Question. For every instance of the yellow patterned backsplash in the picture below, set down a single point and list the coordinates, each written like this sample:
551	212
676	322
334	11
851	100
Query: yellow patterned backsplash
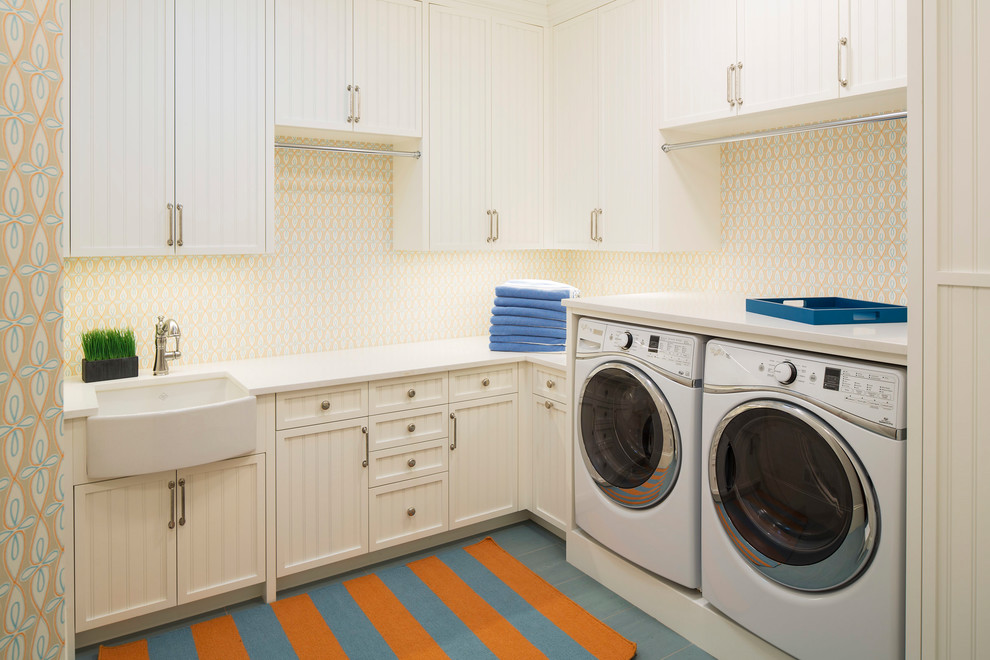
811	214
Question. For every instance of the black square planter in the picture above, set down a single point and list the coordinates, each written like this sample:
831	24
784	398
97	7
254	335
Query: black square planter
109	369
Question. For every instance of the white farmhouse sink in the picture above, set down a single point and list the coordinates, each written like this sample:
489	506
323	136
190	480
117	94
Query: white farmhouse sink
151	426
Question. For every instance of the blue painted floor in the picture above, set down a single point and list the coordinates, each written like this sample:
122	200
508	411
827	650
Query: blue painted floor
543	553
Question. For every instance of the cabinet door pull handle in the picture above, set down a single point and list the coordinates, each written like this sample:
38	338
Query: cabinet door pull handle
182	516
411	462
171	225
738	83
550	384
364	430
411	393
411	428
729	70
592	224
325	405
357	92
171	493
495	212
350	107
178	208
490	232
453	435
548	405
411	511
843	80
598	228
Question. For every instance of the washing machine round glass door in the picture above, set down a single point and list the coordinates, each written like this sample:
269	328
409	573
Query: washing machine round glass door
629	439
792	496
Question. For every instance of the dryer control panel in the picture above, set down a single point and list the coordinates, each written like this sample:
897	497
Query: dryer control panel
675	353
869	391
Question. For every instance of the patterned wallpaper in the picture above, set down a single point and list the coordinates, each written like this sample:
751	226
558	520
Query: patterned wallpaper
32	112
816	213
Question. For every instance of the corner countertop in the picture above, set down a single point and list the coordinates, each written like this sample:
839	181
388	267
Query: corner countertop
297	372
725	316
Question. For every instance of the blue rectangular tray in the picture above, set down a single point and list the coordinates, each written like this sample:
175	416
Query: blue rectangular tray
827	311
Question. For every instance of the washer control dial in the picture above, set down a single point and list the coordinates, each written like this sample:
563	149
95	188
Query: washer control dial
785	373
628	342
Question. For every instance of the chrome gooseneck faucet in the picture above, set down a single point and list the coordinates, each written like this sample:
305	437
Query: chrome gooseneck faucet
164	329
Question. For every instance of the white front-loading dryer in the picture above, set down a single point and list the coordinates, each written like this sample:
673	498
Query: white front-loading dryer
637	458
802	513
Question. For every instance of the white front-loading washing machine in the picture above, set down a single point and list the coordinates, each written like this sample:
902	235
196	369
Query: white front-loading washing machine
802	512
637	461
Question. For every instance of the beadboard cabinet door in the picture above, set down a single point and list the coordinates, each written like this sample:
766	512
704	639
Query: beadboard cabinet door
551	462
224	134
314	58
460	128
221	540
122	124
517	144
482	463
576	131
788	53
125	548
388	67
630	143
872	45
321	495
698	46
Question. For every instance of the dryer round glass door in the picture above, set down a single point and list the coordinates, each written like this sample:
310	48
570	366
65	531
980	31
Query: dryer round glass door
794	500
629	440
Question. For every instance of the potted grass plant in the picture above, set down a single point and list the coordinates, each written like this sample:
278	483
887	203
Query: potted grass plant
109	354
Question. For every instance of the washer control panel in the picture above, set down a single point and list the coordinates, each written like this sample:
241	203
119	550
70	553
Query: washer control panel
673	352
870	391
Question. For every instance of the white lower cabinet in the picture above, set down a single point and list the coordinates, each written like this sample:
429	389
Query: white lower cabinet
551	461
408	510
321	494
483	448
150	542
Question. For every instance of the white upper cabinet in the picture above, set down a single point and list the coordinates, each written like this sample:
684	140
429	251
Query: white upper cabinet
350	65
873	45
786	53
576	141
722	58
171	127
698	47
460	119
486	139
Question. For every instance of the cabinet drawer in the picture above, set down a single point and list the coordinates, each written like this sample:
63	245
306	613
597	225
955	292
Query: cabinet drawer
319	405
406	427
400	463
488	381
551	384
408	510
405	393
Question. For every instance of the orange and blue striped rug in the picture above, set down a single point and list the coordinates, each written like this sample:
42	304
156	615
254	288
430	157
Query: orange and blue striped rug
472	602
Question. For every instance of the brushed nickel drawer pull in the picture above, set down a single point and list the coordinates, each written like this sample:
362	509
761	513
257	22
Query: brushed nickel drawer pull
325	405
453	435
411	462
411	511
182	516
411	428
548	405
171	225
364	430
485	382
550	384
178	208
411	393
171	492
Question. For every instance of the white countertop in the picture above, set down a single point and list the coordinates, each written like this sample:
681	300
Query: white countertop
725	315
297	372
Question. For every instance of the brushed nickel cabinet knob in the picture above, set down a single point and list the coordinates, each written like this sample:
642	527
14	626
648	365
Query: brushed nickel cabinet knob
485	382
411	462
411	393
411	428
411	511
550	384
325	405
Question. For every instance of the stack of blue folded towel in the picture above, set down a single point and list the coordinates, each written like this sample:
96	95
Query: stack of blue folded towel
529	317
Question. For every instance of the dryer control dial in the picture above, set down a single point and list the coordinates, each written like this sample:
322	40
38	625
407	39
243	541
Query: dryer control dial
628	341
785	373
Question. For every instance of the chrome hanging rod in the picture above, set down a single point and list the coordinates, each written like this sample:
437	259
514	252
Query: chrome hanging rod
667	148
348	150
